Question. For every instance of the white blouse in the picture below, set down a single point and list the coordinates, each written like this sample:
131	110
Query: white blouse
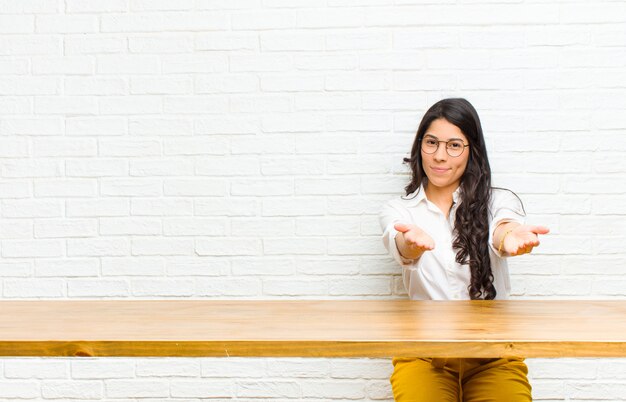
436	275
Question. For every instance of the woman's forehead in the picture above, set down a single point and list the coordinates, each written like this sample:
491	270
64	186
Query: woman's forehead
444	130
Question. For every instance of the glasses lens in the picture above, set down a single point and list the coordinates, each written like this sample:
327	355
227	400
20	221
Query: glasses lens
455	147
429	145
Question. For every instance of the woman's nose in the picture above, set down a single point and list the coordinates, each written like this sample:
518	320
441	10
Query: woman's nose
441	154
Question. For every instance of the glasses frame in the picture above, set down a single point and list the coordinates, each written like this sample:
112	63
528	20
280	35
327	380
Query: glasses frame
439	142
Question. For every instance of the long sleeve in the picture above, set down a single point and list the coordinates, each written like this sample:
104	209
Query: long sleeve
505	206
389	216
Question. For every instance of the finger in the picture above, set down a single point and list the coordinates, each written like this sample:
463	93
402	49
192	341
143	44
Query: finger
401	227
539	229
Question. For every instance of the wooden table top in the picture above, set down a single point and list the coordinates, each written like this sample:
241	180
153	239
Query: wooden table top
314	328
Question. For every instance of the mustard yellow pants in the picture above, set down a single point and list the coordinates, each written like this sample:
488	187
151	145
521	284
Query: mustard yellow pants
460	380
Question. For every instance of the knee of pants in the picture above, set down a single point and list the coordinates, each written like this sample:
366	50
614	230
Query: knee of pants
416	380
506	382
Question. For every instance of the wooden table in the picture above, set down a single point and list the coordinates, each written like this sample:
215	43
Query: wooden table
319	328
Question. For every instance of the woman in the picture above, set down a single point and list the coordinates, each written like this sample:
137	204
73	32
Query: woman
451	234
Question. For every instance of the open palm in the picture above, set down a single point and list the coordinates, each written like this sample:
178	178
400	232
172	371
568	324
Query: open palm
523	239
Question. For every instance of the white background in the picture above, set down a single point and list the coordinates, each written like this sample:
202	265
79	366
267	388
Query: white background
243	149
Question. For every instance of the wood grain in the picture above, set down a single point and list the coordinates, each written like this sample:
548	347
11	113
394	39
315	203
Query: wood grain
314	328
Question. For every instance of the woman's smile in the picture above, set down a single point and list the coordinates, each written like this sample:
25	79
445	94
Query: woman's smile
439	169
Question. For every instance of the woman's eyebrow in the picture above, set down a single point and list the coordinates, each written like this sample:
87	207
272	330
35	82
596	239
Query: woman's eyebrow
449	139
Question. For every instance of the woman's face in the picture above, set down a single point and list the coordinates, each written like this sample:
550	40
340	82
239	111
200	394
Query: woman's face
444	172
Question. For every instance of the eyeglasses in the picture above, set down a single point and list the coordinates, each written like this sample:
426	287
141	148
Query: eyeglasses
454	148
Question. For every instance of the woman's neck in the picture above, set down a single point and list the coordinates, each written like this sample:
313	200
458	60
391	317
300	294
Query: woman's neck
441	197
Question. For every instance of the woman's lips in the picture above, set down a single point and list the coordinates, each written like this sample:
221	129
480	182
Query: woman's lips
439	170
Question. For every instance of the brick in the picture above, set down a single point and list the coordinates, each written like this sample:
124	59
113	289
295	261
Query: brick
65	188
295	287
94	44
228	246
226	41
194	266
261	187
131	187
49	24
299	368
226	125
161	246
334	389
136	389
194	187
96	168
102	369
262	20
194	226
169	368
227	83
202	389
161	167
15	45
260	62
20	389
33	288
32	248
129	105
233	367
16	269
128	147
51	228
133	266
17	24
94	6
64	148
161	207
227	206
296	246
216	287
228	166
110	226
100	288
259	104
27	368
97	208
265	227
294	207
263	144
76	267
196	63
198	145
330	18
162	287
306	265
164	21
98	247
127	64
306	165
31	126
161	43
291	122
263	266
161	85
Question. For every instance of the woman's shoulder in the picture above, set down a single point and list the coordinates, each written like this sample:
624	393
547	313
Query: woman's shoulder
505	198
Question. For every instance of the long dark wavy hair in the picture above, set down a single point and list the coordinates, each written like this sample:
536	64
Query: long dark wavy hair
471	233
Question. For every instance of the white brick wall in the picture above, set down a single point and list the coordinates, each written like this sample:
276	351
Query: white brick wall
142	140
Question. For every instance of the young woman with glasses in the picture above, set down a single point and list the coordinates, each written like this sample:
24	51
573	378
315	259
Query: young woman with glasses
451	234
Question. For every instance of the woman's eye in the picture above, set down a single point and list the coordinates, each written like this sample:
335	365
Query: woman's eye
455	145
431	142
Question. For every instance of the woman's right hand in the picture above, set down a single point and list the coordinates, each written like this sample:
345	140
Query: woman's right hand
414	241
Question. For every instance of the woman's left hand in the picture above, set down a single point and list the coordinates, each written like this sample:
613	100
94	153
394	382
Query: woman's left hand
522	239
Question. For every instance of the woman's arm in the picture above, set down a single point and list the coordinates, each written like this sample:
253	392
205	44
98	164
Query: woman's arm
514	239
